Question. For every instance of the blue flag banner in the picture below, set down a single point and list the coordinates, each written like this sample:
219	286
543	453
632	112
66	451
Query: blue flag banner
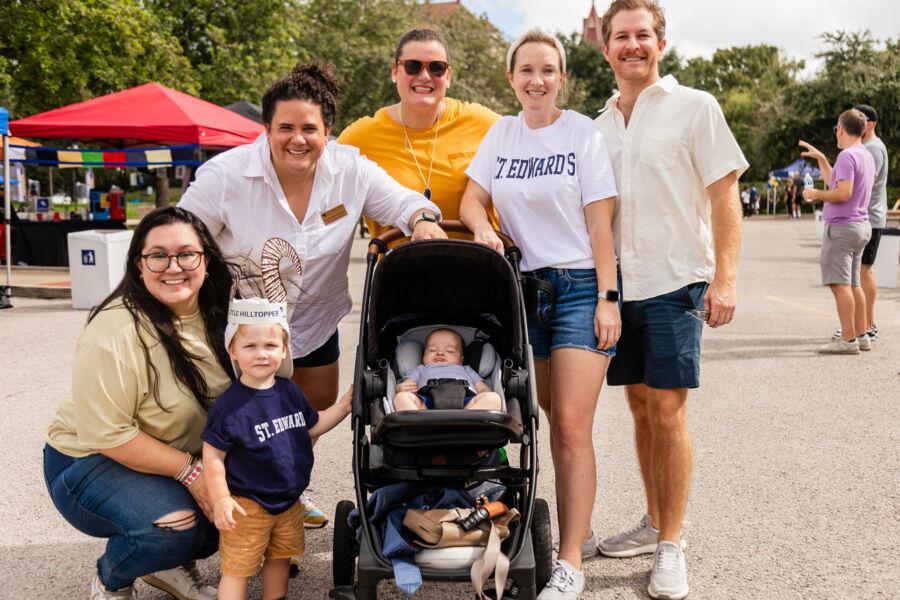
4	121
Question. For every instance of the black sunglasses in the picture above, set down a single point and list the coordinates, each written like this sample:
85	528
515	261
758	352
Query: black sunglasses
413	67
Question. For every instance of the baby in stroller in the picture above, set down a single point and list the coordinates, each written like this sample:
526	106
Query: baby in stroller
442	372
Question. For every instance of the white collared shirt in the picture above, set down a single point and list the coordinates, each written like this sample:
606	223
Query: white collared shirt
677	143
238	195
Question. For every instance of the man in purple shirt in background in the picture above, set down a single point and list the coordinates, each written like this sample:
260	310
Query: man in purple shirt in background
847	228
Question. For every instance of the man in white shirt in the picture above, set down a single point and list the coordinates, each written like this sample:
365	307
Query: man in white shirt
677	228
877	214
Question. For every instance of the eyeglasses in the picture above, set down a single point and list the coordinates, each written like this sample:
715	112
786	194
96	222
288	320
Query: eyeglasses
413	67
159	262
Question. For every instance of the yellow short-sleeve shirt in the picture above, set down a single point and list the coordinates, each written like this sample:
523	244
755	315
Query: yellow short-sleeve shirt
459	132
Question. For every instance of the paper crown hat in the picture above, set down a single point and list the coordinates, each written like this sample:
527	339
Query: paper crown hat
258	311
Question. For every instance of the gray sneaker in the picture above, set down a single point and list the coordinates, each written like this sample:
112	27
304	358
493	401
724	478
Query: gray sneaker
588	547
639	539
182	582
865	342
839	347
566	583
668	577
98	592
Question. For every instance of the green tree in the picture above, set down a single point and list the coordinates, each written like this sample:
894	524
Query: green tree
857	69
237	49
752	85
57	52
358	38
479	61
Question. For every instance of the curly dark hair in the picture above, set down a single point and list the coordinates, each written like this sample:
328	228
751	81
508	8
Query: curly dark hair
213	298
421	34
314	82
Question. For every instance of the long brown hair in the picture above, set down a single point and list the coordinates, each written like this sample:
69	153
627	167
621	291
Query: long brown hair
213	298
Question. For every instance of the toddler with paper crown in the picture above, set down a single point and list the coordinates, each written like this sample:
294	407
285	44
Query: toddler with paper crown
257	451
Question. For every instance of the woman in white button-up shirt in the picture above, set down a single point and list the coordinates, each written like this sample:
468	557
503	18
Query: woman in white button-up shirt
285	207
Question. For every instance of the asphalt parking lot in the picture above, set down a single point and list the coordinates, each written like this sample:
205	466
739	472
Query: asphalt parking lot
797	472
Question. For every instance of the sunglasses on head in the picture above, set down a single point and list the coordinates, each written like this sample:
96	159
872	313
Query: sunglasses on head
413	67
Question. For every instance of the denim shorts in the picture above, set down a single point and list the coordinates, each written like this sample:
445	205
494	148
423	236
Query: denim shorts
570	323
660	343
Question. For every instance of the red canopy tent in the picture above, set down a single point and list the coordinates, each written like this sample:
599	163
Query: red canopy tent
146	113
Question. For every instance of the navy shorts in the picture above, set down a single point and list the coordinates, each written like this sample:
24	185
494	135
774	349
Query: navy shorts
325	354
569	322
660	343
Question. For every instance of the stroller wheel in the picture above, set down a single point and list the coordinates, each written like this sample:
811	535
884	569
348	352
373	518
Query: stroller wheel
542	539
343	564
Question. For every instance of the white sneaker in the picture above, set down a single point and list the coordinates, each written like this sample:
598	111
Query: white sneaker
640	538
865	342
588	547
839	347
566	583
182	582
98	592
668	577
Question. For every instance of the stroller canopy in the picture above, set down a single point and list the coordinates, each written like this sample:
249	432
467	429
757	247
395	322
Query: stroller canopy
454	282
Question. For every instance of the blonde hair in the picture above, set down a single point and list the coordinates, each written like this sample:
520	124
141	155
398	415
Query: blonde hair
538	35
651	6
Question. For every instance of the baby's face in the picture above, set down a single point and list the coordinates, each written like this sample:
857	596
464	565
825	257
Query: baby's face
443	347
258	349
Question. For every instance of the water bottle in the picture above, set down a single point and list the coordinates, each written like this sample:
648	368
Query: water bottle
807	180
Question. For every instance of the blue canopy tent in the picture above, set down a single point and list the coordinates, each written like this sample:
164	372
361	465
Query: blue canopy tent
4	132
798	166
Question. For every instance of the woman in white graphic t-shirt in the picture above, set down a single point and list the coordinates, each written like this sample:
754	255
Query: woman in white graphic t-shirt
547	174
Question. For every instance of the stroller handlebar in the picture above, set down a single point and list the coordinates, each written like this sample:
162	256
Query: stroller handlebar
380	244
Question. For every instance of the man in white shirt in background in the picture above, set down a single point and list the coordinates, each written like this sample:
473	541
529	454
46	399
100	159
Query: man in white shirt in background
678	229
877	214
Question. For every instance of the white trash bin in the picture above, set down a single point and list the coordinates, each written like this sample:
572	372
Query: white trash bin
820	224
888	259
96	264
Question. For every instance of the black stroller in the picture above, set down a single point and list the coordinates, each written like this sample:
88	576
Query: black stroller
415	287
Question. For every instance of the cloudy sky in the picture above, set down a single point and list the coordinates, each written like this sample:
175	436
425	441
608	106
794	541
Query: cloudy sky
698	27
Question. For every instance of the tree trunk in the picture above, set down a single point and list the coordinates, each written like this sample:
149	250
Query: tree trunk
162	187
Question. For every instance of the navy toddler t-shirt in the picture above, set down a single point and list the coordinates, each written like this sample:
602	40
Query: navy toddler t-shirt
265	434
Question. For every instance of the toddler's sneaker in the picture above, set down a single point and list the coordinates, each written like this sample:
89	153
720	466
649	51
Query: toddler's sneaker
183	582
639	539
313	517
668	577
98	592
566	583
588	547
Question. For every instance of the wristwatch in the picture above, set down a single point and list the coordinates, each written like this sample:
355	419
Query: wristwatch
609	295
426	215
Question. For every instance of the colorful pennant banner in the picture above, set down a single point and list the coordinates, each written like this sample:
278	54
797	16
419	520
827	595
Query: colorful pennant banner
68	158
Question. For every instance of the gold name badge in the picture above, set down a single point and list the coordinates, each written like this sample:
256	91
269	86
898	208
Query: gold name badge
333	214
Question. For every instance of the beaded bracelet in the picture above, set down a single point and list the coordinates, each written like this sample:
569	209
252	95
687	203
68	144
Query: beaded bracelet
185	469
194	474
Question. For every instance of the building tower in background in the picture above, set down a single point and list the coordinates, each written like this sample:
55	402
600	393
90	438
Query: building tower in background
590	29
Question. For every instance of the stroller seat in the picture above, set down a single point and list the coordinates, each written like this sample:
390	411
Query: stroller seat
443	429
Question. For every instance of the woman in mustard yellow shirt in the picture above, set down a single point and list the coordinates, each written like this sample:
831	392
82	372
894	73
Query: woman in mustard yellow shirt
426	140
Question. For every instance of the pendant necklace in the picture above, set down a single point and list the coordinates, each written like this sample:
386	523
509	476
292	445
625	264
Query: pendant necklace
426	181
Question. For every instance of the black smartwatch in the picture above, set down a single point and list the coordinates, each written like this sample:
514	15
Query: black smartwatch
426	215
609	295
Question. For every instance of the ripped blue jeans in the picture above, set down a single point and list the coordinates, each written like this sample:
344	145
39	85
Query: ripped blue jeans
105	499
